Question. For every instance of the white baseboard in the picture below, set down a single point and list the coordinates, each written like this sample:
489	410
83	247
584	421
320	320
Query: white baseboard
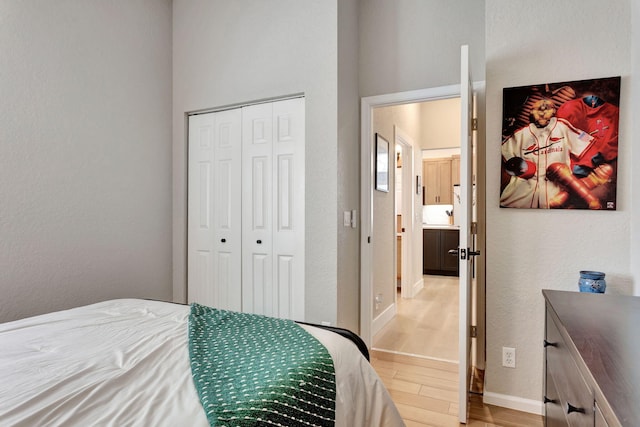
512	402
382	319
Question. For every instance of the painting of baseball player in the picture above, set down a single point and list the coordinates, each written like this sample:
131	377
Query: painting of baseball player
560	145
531	150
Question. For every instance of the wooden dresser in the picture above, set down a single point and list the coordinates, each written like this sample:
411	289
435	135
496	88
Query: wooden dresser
592	359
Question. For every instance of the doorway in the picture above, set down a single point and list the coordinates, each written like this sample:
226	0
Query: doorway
470	300
425	323
369	299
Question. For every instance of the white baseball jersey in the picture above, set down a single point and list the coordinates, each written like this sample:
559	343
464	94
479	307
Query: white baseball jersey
541	146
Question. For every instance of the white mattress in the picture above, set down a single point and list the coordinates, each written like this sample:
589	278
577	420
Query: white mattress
126	363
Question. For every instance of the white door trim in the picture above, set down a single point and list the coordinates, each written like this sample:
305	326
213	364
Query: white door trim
367	105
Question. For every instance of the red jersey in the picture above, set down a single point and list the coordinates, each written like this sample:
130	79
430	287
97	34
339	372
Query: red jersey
601	122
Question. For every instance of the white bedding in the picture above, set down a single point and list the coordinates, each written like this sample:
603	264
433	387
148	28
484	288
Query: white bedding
126	363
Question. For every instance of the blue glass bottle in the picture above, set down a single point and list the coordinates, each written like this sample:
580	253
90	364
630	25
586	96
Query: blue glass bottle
592	281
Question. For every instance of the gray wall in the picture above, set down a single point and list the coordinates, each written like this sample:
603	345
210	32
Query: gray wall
529	250
85	169
348	183
229	52
634	95
409	45
415	44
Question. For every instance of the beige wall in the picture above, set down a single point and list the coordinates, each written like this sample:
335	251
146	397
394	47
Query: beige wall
440	124
529	250
85	169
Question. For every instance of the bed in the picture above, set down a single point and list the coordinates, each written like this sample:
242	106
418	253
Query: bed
130	362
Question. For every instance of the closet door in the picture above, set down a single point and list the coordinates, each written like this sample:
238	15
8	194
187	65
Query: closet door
214	223
273	209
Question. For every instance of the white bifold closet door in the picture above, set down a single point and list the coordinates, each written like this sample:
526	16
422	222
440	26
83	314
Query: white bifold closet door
254	195
214	223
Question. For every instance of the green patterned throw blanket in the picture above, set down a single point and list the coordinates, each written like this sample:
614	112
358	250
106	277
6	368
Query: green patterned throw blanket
253	370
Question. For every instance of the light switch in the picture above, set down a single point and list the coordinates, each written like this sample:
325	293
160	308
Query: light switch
347	219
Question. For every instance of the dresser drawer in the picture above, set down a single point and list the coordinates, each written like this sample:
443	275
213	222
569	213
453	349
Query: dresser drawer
575	397
553	412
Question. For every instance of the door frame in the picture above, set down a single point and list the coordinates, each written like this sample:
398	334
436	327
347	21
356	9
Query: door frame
367	170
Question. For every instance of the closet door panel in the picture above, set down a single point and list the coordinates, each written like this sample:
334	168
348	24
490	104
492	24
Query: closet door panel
228	204
289	224
214	236
257	209
200	210
286	287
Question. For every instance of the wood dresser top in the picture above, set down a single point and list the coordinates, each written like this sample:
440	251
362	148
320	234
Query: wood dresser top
605	330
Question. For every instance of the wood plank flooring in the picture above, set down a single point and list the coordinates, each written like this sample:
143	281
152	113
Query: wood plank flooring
426	325
426	394
423	382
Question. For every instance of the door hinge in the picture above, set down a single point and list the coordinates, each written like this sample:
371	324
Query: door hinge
474	228
474	124
473	332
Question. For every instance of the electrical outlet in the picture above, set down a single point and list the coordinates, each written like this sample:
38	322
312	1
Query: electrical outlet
508	357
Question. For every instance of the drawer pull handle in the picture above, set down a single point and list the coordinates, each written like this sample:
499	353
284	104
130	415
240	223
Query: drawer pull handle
223	240
550	344
259	242
571	408
547	400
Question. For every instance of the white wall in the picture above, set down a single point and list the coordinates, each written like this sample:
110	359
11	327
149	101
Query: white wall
229	52
530	250
85	170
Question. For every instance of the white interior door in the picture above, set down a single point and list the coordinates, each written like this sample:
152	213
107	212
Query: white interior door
214	227
466	248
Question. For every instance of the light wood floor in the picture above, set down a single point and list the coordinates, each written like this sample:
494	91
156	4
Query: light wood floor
426	325
423	382
426	394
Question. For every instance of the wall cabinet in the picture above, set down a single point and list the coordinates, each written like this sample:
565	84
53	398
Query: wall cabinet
591	351
436	244
436	178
